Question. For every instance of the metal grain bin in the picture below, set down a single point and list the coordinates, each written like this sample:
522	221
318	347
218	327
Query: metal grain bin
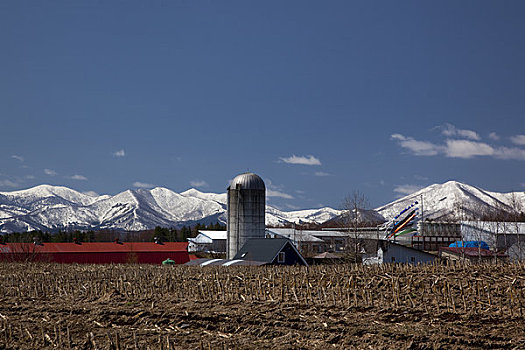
246	209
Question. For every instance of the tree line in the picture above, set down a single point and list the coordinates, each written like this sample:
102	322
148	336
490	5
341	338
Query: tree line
162	233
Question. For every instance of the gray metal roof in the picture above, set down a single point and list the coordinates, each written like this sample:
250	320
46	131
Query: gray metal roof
293	235
223	262
309	233
248	181
264	249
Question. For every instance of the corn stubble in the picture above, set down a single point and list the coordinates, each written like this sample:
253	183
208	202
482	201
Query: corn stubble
340	306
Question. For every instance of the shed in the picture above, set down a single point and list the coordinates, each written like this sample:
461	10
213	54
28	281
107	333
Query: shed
96	253
208	241
324	258
303	240
391	252
471	254
275	251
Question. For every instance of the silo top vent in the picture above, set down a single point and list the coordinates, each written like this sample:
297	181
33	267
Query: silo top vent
248	181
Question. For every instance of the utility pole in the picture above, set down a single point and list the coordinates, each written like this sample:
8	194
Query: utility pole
294	241
422	211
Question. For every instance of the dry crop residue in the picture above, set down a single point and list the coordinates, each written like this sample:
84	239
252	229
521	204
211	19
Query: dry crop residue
343	306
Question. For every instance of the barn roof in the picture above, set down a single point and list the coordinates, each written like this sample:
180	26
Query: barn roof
95	247
326	255
294	235
473	252
265	249
223	262
214	234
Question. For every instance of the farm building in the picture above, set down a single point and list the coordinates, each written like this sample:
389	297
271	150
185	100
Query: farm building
274	251
391	252
499	235
509	236
208	241
324	258
96	253
313	242
303	240
471	254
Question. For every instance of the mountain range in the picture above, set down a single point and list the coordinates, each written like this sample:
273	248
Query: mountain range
53	208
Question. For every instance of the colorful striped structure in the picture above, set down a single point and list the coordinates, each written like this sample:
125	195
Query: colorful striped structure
403	222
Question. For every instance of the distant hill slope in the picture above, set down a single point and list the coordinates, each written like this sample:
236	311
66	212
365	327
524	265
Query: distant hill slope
456	200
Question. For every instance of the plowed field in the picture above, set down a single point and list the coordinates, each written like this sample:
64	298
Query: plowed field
153	307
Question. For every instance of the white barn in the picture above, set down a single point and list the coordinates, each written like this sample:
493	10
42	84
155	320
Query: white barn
208	241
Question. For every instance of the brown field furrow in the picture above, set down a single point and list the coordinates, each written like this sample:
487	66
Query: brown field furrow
47	306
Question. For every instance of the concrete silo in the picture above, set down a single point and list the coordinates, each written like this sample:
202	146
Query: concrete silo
246	208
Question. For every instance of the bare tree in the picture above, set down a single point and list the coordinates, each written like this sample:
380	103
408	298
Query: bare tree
500	217
516	210
354	206
459	216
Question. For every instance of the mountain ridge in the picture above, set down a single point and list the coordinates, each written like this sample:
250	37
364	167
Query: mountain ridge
457	201
52	208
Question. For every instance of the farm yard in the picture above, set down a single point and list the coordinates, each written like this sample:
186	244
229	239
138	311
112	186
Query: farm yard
61	306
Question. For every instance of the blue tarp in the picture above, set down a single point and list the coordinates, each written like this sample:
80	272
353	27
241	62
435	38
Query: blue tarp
470	244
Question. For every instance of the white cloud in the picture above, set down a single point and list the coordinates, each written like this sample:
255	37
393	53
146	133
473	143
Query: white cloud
518	140
419	148
494	136
198	183
91	193
407	189
467	149
50	172
451	131
78	177
19	158
30	177
308	160
322	173
274	193
7	183
142	185
454	148
120	153
510	153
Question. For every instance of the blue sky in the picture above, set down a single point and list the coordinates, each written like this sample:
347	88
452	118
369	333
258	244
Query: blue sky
320	98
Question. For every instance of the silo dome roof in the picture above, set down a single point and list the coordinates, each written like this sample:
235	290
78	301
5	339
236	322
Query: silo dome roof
248	181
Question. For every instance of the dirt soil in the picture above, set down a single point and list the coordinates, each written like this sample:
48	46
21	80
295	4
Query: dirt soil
117	321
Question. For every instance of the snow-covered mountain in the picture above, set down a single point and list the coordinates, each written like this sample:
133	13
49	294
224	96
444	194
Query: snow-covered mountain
456	200
53	207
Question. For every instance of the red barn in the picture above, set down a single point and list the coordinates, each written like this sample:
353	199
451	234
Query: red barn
96	253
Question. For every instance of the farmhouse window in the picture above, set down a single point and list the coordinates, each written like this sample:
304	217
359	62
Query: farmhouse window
280	258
